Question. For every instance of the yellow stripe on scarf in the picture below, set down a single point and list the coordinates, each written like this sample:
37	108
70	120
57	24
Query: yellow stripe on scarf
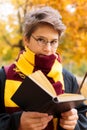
56	73
10	88
26	62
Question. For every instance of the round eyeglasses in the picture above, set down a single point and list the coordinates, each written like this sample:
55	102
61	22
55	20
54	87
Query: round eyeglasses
44	42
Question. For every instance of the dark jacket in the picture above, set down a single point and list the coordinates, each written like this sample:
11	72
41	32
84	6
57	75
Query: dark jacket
11	121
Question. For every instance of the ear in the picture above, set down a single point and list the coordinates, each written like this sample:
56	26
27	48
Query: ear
25	41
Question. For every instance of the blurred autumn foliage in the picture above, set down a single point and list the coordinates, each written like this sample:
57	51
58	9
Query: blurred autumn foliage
73	45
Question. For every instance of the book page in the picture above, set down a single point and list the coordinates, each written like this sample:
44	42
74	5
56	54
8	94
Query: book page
70	97
39	78
43	82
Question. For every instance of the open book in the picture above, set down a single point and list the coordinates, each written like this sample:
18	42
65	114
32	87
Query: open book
36	93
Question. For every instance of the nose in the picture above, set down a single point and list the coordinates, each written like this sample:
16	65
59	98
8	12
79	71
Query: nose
47	48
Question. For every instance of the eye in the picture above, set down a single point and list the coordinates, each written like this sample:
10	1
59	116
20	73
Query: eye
54	42
41	40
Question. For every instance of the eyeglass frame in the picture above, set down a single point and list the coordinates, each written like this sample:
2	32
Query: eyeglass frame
45	43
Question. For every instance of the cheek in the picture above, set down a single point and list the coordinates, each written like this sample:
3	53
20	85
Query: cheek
54	51
35	49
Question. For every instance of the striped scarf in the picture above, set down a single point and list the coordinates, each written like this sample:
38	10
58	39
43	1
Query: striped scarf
26	64
50	65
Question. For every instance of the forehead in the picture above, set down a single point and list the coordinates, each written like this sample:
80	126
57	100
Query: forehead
45	28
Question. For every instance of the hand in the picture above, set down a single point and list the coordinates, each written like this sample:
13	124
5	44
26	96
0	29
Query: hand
69	119
34	121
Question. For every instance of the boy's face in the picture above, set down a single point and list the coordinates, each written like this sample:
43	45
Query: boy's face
43	41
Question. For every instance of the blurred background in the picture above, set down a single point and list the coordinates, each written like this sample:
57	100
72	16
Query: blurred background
73	45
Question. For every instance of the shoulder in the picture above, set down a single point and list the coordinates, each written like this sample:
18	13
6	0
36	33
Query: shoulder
67	74
2	74
70	81
5	71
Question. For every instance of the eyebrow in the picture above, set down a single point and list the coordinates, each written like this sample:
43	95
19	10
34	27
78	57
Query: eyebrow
46	38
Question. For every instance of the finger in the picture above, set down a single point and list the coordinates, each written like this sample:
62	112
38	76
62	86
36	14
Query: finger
36	114
33	120
70	112
68	124
68	127
70	118
40	119
38	123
